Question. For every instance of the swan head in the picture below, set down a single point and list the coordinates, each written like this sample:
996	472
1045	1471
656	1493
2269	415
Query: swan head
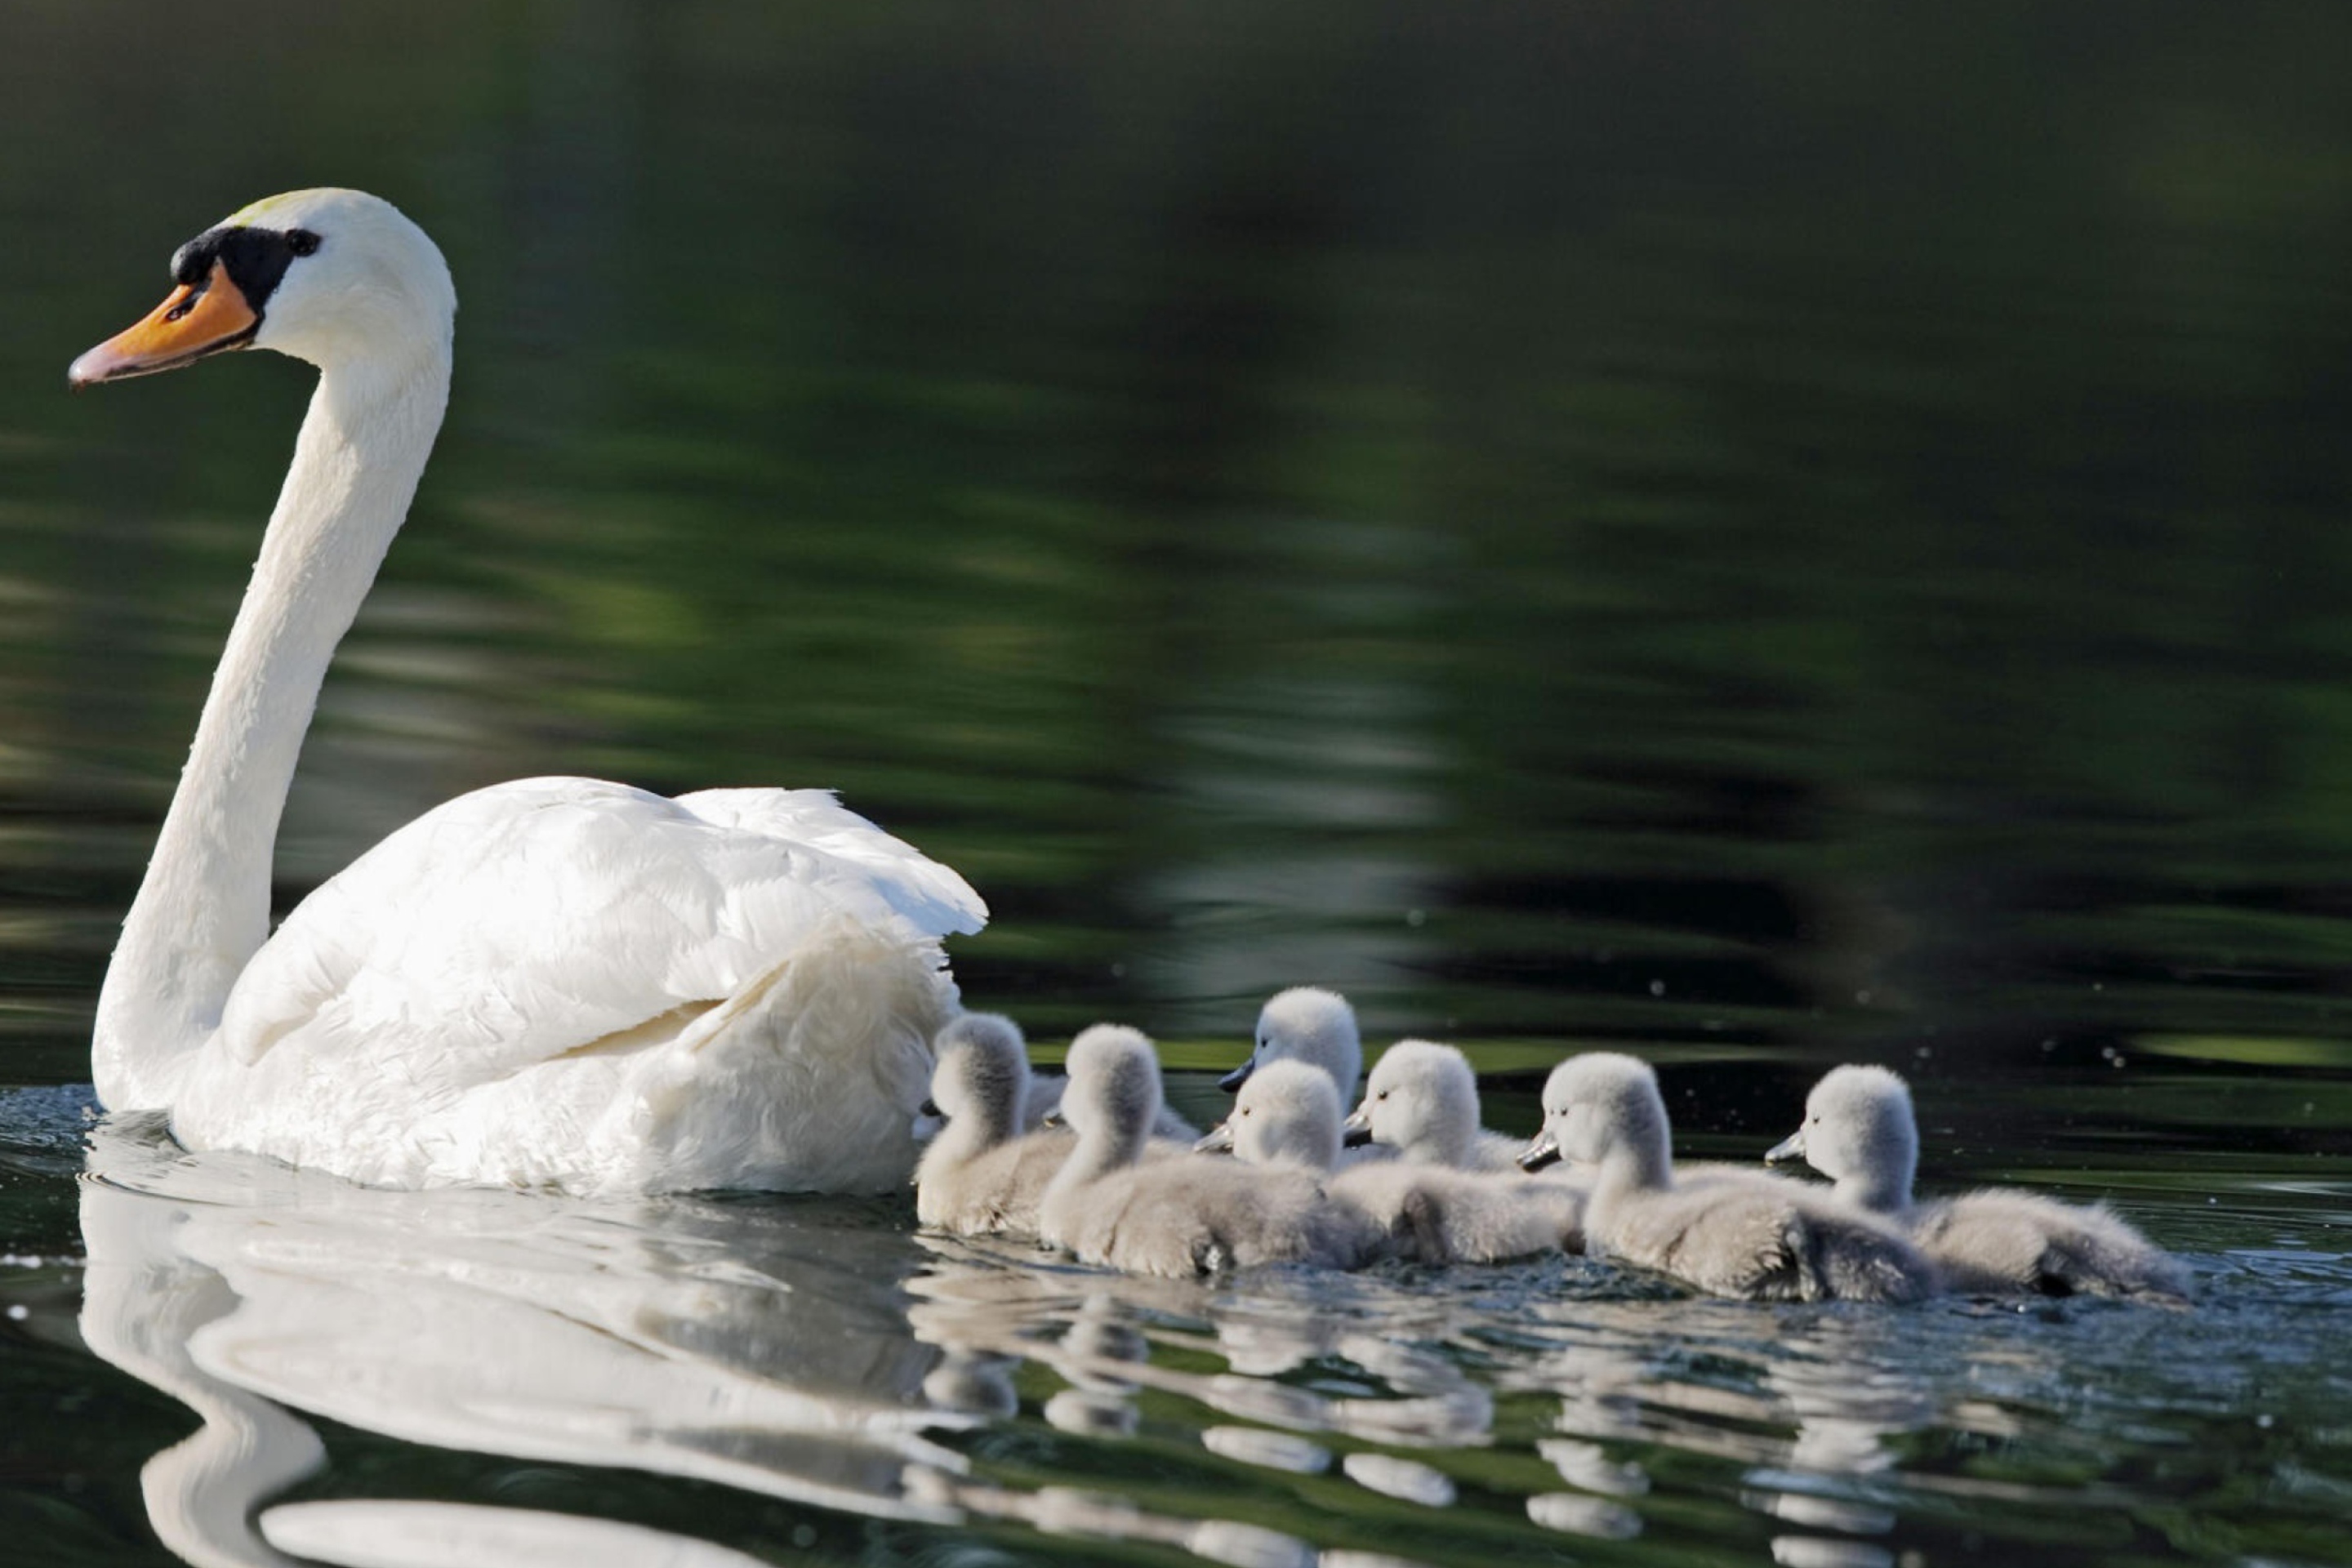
1860	1128
1597	1105
1305	1024
982	1075
333	276
1114	1089
1421	1100
1287	1114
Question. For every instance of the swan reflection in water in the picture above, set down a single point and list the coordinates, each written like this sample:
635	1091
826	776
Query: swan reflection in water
764	1346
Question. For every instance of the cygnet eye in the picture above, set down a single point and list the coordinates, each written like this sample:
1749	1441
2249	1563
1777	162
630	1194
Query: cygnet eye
302	241
1246	1111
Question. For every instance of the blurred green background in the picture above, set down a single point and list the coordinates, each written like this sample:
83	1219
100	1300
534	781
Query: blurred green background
1814	530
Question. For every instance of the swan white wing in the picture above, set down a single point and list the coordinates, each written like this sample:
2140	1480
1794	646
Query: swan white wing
933	896
547	916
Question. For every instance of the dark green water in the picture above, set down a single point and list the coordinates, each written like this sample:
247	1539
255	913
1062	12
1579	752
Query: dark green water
1765	537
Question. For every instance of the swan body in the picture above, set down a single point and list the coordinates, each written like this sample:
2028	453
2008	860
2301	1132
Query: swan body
1287	1115
555	982
981	1175
1765	1240
1860	1132
1177	1217
1421	1100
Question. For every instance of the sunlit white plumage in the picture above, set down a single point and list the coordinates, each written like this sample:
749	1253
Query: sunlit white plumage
556	981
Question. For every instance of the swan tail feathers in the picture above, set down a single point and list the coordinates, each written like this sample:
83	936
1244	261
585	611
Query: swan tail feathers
811	1077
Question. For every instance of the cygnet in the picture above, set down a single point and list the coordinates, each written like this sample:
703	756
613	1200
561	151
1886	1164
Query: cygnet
1305	1024
1176	1217
1422	1101
1861	1133
1763	1239
980	1174
1287	1116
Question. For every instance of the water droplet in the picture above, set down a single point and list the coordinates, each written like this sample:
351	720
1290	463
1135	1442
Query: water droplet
1657	988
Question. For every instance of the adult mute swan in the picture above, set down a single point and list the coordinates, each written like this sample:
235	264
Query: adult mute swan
556	981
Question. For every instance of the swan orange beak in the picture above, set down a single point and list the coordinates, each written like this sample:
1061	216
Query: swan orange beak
195	319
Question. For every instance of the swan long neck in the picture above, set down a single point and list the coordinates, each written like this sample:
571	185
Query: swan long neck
203	911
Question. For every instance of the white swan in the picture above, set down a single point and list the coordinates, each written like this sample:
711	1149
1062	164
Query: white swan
1181	1217
556	981
1421	1100
1761	1239
1287	1115
1861	1133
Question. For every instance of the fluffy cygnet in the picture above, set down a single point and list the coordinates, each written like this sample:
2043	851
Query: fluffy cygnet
1860	1132
1181	1217
1422	1101
1309	1025
1287	1115
1045	1098
1761	1239
1305	1024
980	1174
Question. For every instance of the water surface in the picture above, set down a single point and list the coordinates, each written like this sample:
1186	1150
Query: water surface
1761	541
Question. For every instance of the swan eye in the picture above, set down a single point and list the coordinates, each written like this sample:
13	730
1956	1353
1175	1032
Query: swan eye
302	241
1383	1095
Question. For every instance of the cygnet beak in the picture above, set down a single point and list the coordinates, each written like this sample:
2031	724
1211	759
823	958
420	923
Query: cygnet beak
1232	1083
1793	1147
1544	1150
1357	1130
1217	1140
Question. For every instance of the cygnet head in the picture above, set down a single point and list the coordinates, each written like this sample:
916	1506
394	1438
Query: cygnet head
1860	1132
1287	1114
1422	1101
1305	1024
1114	1090
981	1078
334	277
1599	1107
